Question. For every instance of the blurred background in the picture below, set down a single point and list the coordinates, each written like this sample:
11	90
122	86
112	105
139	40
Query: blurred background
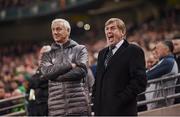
25	26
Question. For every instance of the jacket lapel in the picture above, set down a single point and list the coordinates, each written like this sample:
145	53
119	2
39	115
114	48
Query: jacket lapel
103	56
118	52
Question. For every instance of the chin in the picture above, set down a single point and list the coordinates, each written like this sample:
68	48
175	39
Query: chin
58	41
112	43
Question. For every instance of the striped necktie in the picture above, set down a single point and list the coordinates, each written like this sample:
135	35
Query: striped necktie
108	56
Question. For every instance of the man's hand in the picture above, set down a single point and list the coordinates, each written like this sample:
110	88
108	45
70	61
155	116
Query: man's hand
73	65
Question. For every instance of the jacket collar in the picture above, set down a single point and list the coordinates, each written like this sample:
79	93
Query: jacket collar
70	43
168	56
119	51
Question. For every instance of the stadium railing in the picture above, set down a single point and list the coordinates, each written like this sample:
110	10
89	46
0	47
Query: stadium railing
163	88
144	102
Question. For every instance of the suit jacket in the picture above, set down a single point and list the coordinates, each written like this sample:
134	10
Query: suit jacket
116	87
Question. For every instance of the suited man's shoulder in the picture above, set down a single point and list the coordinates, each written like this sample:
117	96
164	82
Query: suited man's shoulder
103	50
135	48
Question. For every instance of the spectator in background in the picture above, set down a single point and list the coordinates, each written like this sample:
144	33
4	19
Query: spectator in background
38	87
152	59
176	43
120	73
3	96
37	105
17	90
165	67
7	80
2	104
15	85
65	66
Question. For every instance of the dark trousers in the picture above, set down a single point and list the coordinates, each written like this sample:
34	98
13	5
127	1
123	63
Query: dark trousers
142	107
37	109
177	90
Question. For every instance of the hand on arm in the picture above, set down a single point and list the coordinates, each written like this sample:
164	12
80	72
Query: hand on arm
52	70
79	69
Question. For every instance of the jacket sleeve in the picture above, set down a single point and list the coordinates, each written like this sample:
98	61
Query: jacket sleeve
159	70
97	70
36	81
138	81
80	71
52	70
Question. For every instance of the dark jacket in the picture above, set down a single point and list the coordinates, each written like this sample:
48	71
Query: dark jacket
67	95
117	86
177	89
39	106
40	86
177	57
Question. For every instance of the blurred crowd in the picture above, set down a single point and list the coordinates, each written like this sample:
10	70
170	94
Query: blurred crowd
148	34
16	3
19	62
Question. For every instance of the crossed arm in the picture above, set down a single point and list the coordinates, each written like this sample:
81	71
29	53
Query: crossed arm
64	70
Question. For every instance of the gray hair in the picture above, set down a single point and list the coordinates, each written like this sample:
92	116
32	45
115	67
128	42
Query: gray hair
65	23
119	22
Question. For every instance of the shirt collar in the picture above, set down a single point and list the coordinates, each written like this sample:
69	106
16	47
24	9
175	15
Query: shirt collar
119	44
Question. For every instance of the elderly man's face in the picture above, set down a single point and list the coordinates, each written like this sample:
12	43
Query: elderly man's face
161	50
59	32
113	34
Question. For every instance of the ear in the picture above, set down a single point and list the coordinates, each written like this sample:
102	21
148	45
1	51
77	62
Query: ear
122	32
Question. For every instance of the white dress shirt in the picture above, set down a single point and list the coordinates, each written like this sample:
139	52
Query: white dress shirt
117	46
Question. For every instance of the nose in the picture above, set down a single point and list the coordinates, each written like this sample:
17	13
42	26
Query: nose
55	31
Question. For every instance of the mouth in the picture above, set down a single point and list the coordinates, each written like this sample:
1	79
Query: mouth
111	38
57	37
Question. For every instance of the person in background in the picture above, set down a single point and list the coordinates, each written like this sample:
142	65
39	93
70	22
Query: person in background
176	43
152	59
38	91
166	66
120	74
4	104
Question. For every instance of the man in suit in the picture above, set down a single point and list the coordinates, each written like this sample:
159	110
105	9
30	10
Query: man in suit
120	73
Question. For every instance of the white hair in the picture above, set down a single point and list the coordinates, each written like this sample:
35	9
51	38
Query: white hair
65	23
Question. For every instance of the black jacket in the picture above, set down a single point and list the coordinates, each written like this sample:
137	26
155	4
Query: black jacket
40	85
116	87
